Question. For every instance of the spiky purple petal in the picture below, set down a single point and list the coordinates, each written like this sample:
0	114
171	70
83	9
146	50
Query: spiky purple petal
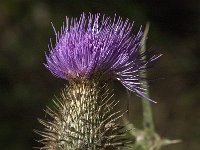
96	45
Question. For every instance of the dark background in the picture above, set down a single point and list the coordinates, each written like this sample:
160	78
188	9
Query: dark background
26	87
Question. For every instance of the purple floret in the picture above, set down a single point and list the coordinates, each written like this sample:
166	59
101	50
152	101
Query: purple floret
96	45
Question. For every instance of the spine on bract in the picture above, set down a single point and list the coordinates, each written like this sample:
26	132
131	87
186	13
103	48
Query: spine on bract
84	119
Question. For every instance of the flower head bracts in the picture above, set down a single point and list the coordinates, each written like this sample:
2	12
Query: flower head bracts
84	120
98	46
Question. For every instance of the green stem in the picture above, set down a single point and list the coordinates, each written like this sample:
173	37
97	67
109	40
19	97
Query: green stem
147	138
148	123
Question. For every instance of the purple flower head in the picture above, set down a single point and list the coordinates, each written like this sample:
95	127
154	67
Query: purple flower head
96	45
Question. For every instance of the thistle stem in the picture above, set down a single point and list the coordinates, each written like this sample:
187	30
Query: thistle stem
148	123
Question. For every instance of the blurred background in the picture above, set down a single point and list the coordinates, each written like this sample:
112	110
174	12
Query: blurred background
26	86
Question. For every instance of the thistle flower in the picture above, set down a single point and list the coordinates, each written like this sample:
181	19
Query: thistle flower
88	53
96	46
